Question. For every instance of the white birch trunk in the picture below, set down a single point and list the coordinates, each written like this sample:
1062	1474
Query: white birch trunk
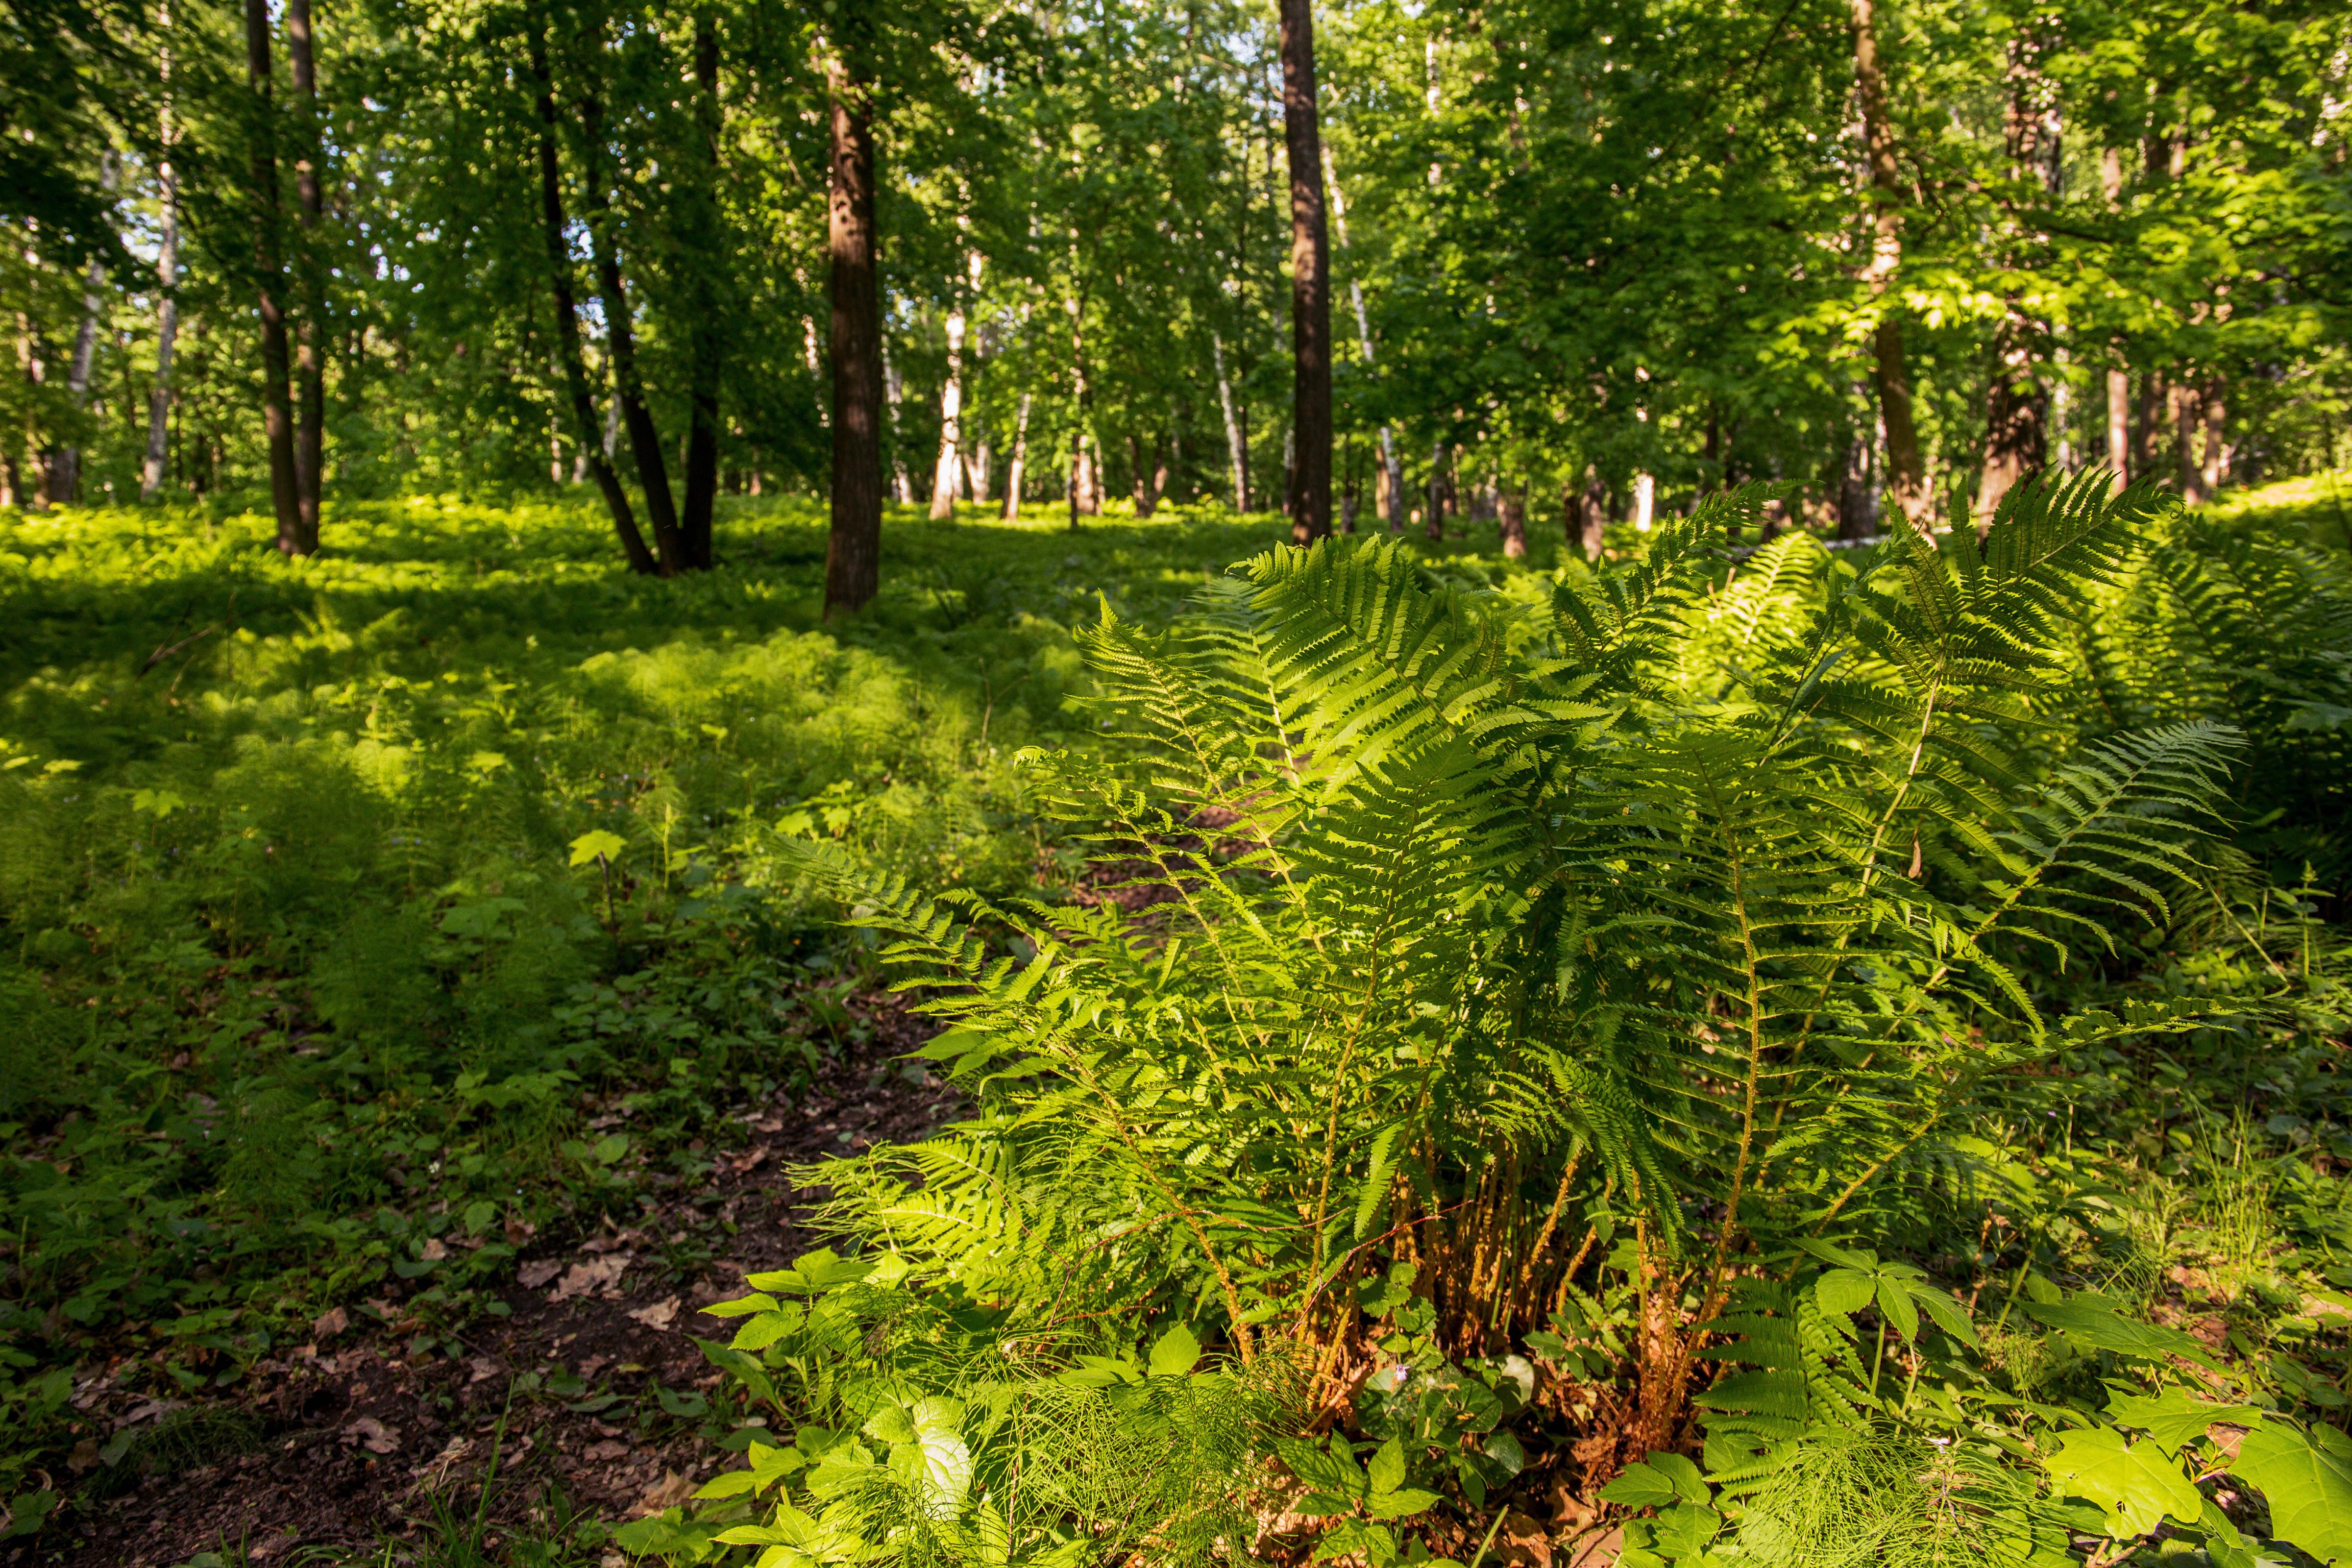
1237	458
1391	487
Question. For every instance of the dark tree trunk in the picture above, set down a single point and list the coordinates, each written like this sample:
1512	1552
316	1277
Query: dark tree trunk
853	564
628	390
311	375
2017	415
709	335
277	427
1435	525
1588	513
1310	282
567	324
1906	475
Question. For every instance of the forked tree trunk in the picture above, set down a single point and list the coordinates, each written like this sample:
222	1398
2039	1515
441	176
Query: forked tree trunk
707	338
595	456
277	426
620	334
1906	476
311	373
1310	283
852	562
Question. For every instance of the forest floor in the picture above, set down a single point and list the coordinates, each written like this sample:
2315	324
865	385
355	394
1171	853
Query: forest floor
585	1397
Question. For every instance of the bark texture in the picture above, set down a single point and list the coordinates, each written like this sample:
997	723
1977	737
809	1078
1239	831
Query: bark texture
708	341
620	334
1906	476
1310	282
582	401
268	258
309	367
852	562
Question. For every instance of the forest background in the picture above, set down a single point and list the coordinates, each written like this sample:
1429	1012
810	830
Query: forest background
527	519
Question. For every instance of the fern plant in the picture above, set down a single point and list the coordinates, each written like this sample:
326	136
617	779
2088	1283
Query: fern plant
1638	941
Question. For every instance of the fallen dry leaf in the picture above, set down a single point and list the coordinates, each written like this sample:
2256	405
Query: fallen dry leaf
433	1251
330	1323
534	1275
600	1274
436	1475
658	1315
484	1367
372	1435
611	1448
668	1492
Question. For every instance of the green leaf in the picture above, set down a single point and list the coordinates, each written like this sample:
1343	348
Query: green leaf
1387	1470
766	1329
1684	1529
1844	1291
741	1306
2135	1487
588	847
1401	1504
1948	1314
2223	1544
2307	1483
2173	1419
2098	1326
1640	1486
1895	1303
1174	1353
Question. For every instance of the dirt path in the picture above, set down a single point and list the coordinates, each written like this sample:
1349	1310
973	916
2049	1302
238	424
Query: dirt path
352	1438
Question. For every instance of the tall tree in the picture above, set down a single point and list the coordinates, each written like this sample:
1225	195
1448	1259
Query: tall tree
1392	474
946	472
621	341
706	331
310	370
852	562
573	367
269	270
1906	476
1310	282
167	269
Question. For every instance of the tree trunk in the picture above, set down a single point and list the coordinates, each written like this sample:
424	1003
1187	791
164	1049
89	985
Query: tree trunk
277	427
1237	447
595	456
1906	480
853	564
1435	527
1310	283
943	478
2216	466
64	470
707	337
1513	517
893	387
167	282
2188	414
977	473
1387	482
1012	474
620	334
310	379
2119	425
2017	401
1590	515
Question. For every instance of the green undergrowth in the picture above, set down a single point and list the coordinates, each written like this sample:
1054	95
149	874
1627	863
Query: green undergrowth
357	913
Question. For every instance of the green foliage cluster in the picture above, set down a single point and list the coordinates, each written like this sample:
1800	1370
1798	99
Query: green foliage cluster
308	986
1764	1026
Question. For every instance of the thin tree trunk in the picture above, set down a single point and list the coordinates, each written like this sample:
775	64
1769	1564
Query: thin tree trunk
2017	402
1906	476
2119	424
1013	473
1310	283
598	460
853	564
311	378
977	474
944	472
1591	515
892	386
707	336
277	427
167	280
64	470
1389	485
1236	449
620	334
2188	414
1435	527
2215	468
